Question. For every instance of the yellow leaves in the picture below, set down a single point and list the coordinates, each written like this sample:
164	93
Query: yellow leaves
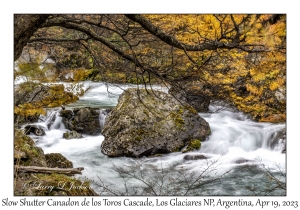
262	74
274	118
57	98
254	90
190	28
277	83
81	75
29	109
235	97
257	74
36	68
54	97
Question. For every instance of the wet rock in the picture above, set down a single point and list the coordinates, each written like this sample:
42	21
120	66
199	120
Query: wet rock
36	129
194	93
83	120
102	117
240	86
51	120
194	157
57	160
72	135
277	141
66	113
145	124
242	160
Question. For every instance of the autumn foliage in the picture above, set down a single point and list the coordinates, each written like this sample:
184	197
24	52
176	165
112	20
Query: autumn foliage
239	58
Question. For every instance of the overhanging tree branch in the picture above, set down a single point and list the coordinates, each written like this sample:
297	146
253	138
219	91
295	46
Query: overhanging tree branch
24	27
95	36
171	40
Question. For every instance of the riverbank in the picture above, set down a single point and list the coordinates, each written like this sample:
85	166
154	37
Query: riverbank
38	183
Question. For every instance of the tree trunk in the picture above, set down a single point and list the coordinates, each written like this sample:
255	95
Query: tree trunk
36	169
24	27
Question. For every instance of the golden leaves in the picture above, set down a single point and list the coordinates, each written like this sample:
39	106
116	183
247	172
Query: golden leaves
55	96
254	90
29	109
277	83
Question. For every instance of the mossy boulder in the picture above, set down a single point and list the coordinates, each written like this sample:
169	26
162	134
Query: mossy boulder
83	120
146	123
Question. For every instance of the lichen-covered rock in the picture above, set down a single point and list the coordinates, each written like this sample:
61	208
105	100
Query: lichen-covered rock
83	120
57	160
144	124
194	93
72	135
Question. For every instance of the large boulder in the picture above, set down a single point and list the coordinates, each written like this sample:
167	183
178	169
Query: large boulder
194	93
83	120
150	122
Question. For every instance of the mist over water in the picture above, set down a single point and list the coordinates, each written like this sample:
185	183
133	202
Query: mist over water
237	143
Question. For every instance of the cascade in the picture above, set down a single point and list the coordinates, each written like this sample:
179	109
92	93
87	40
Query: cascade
236	142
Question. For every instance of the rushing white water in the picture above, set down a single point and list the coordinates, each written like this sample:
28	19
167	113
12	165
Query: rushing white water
238	144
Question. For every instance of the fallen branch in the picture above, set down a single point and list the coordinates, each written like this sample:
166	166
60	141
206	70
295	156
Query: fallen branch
36	169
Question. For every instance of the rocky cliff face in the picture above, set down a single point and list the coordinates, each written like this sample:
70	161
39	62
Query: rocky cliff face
150	122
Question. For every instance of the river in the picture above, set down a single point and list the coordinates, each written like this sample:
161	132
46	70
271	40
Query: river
239	151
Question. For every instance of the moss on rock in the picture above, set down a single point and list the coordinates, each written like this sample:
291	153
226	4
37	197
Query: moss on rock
58	160
145	123
194	144
40	184
25	145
